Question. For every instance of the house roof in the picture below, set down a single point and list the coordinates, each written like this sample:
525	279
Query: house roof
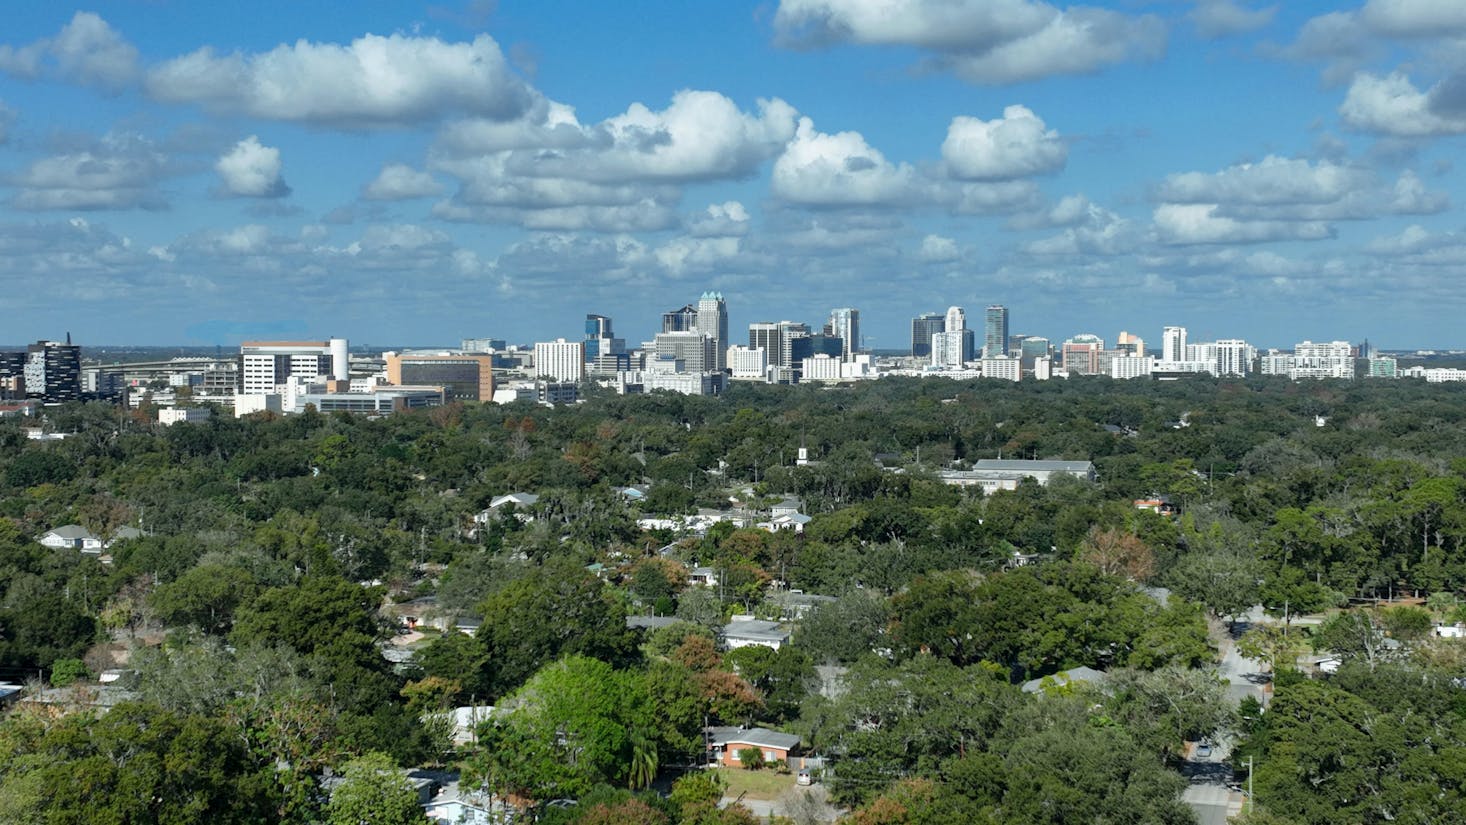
126	532
650	622
513	498
1024	465
757	737
70	531
755	630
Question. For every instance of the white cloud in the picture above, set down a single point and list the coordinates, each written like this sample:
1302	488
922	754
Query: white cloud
819	169
118	172
1415	18
1393	106
1412	238
1224	18
87	50
720	220
598	176
687	254
398	181
1198	223
1271	181
1091	230
982	41
936	249
1013	146
252	170
373	82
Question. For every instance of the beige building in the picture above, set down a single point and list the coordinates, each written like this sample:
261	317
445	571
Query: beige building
465	376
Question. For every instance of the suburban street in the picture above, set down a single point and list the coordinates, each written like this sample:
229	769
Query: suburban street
1210	793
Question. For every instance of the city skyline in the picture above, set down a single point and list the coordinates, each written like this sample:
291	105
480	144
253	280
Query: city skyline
417	173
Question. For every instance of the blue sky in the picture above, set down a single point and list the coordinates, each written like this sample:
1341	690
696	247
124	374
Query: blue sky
191	173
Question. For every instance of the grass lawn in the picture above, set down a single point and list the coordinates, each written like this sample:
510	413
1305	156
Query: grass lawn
763	784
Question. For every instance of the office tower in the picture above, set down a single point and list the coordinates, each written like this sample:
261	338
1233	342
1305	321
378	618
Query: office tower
680	320
266	365
602	348
464	376
778	339
52	371
845	325
1173	344
995	331
483	345
1033	348
1081	354
764	335
560	360
712	321
923	327
695	350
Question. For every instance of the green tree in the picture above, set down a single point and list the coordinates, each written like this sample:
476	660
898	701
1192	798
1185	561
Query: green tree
373	791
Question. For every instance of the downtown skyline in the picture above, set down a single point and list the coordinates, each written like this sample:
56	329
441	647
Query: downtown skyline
418	173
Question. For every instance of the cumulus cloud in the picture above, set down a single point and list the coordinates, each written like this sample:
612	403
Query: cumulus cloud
819	169
1090	230
398	181
87	50
252	170
1414	18
1199	223
1225	18
622	173
720	220
1392	105
1013	146
936	249
373	82
119	171
1273	180
982	41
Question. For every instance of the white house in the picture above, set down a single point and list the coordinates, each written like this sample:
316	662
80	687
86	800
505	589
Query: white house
72	537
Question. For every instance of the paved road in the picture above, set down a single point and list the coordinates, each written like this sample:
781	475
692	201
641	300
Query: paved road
1210	793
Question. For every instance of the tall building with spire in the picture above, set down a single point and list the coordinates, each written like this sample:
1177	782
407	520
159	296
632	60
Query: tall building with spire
712	321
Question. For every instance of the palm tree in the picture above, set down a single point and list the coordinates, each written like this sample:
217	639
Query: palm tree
644	761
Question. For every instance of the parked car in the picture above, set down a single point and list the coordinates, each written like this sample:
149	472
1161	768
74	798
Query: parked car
1203	750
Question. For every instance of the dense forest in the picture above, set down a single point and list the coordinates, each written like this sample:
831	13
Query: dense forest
253	610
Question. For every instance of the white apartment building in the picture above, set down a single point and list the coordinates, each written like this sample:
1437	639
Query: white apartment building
1002	367
1334	359
560	360
1126	367
948	348
267	365
748	363
1173	344
1234	356
821	368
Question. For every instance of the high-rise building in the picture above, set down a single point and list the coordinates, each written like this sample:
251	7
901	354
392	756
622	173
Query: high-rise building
1331	360
1081	354
956	319
464	376
52	371
845	325
1033	348
746	363
778	339
1234	357
1130	344
264	366
560	360
712	321
600	342
923	327
680	320
483	345
1173	344
995	331
1002	367
695	350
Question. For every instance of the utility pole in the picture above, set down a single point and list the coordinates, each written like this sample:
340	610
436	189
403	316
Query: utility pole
1249	784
